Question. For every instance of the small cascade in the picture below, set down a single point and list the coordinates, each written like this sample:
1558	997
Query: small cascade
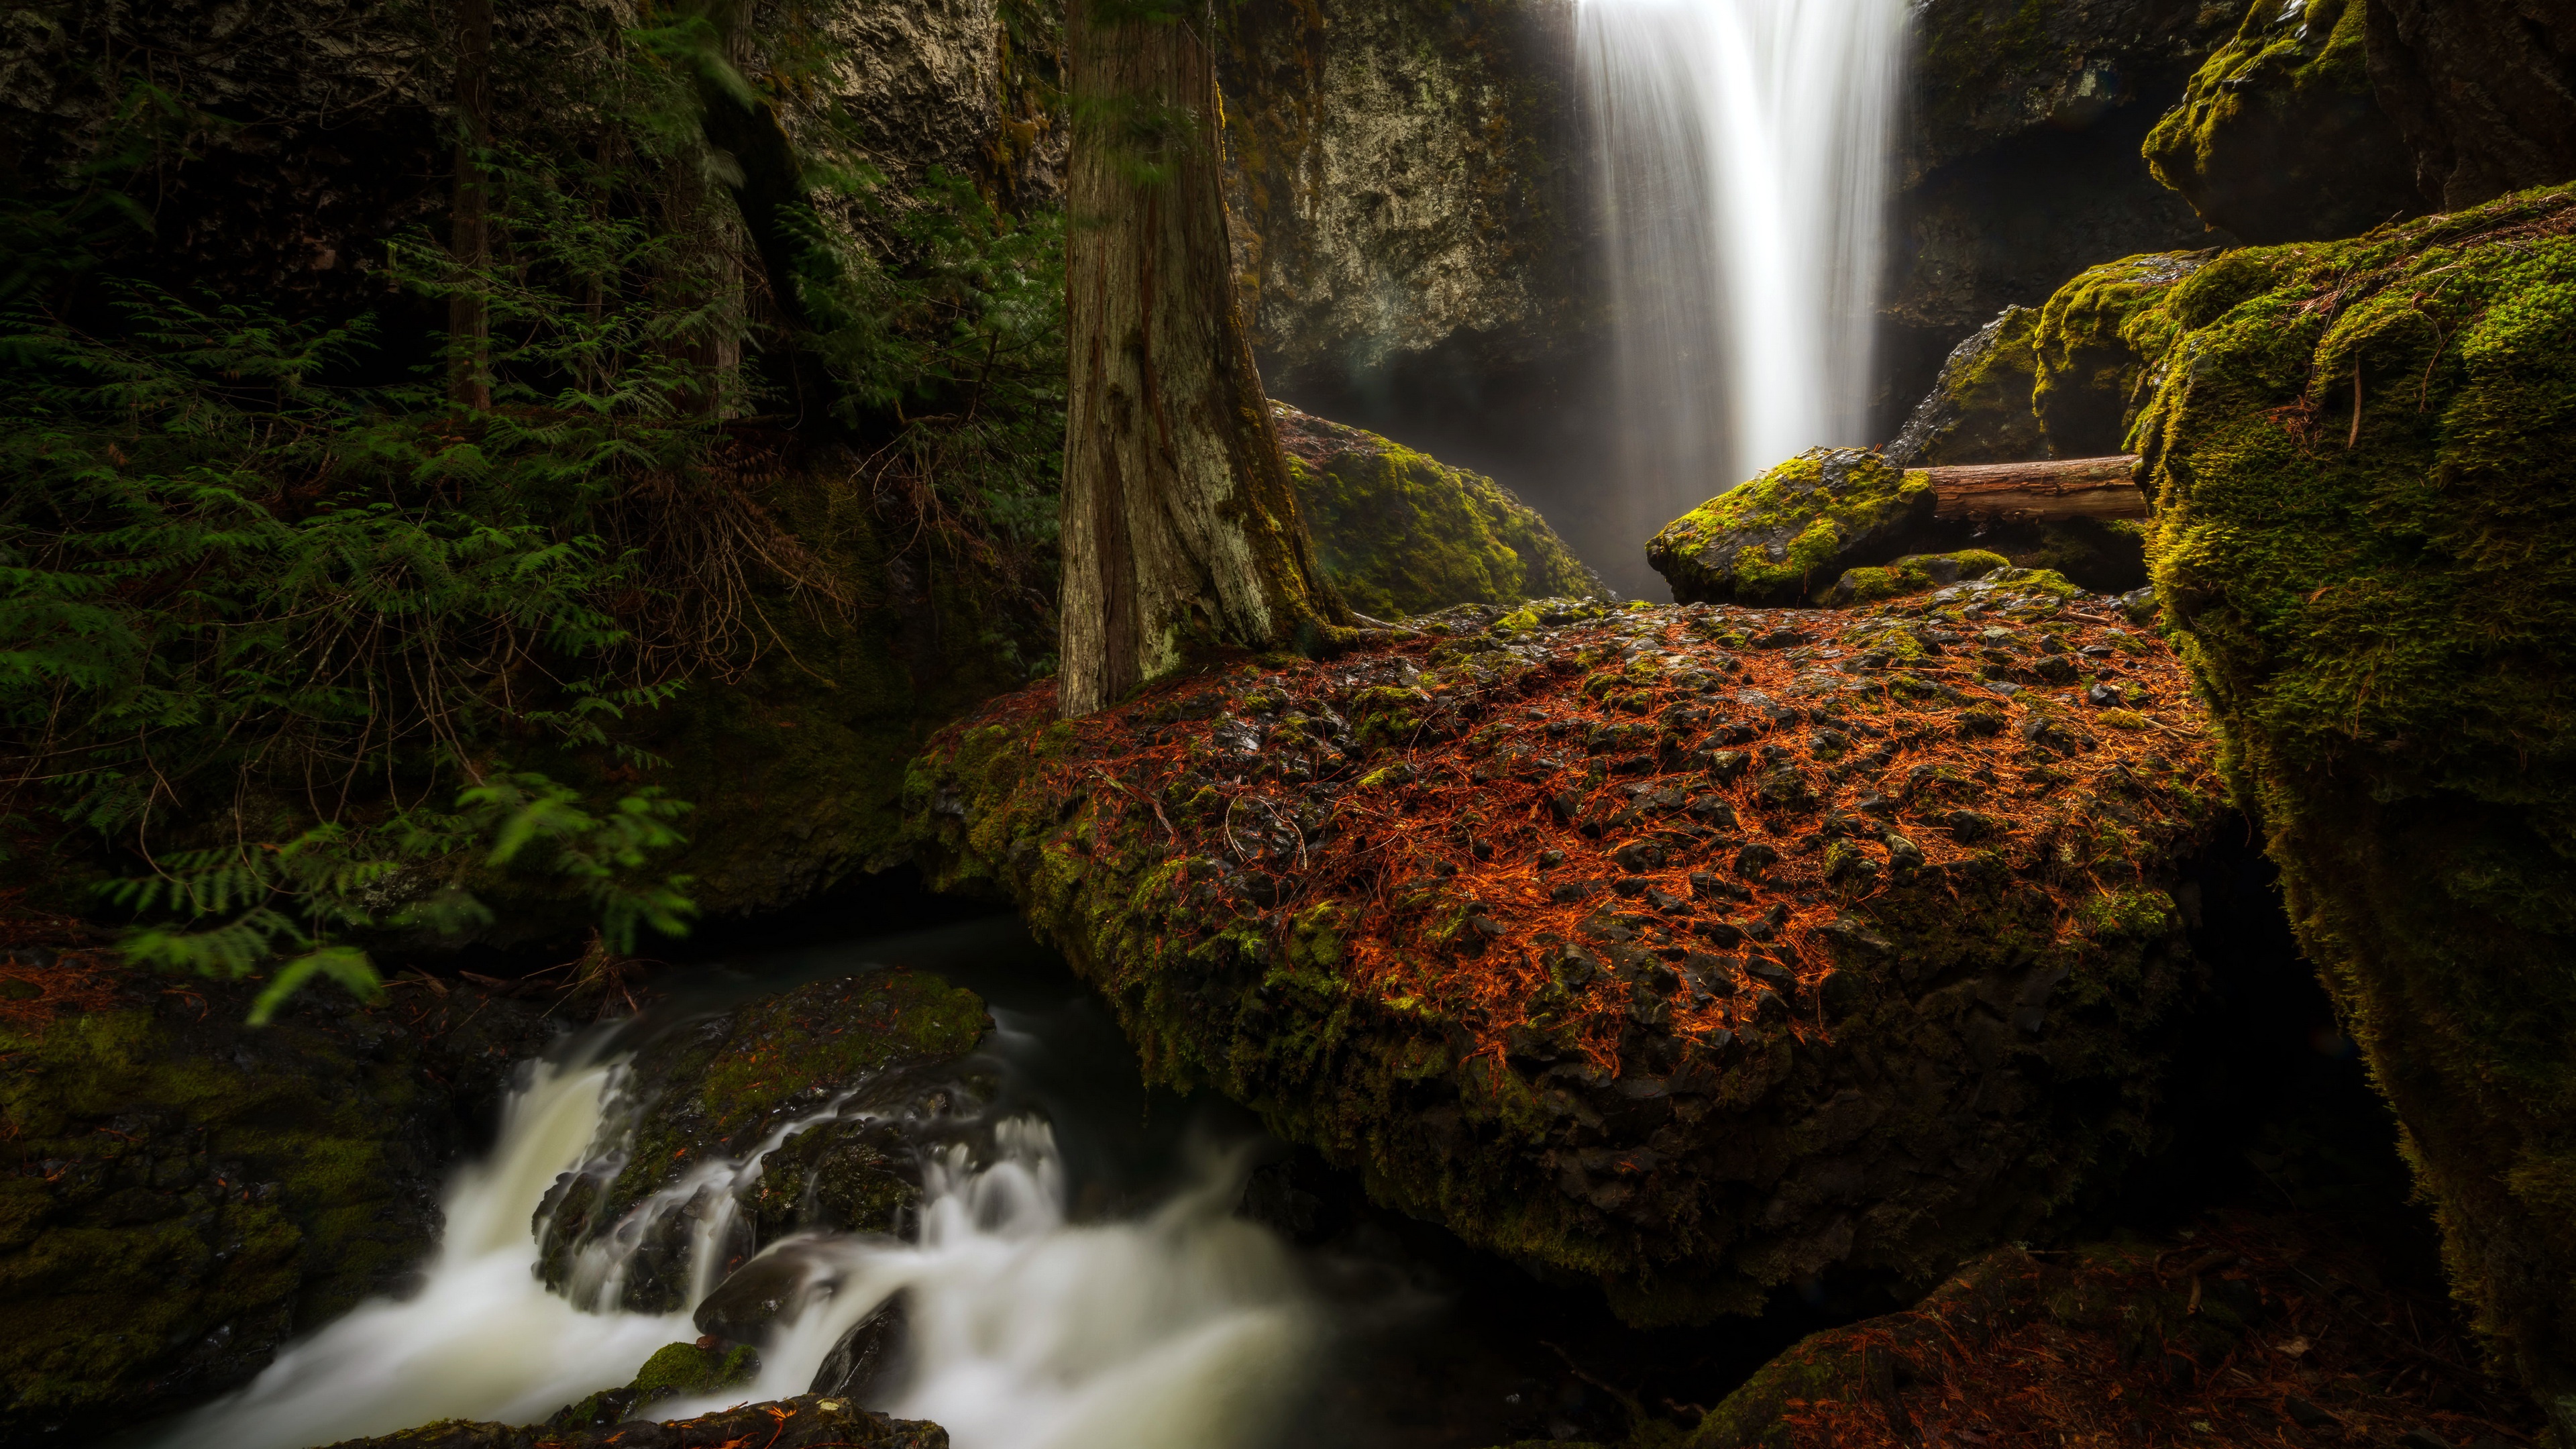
1744	161
1020	1328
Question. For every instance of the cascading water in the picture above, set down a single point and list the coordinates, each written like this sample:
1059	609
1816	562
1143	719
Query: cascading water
1185	1327
1744	163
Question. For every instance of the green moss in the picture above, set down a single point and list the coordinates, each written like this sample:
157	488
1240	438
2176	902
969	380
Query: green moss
1913	574
2095	343
2280	137
2366	477
1979	409
786	1045
678	1369
1401	533
1773	539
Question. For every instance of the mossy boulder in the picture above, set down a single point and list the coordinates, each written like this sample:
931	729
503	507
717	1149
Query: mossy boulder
1979	409
197	1192
1693	950
1794	530
1916	573
809	1421
835	1064
676	1370
2280	136
2363	457
1401	533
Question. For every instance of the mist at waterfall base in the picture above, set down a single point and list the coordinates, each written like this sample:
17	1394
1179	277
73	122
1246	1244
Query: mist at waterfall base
1744	163
1028	1324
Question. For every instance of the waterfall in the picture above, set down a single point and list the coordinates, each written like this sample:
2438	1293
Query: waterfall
1744	159
1182	1328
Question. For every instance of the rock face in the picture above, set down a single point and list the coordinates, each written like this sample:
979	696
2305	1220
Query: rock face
784	1114
810	1421
199	1191
1401	533
1694	950
2484	92
2361	460
1793	531
1407	180
2020	164
2280	136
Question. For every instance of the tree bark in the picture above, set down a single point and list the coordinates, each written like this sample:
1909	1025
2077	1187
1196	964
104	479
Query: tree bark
1180	527
2056	488
469	314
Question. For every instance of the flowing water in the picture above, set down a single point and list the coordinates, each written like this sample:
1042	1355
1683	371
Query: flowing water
1025	1326
1745	158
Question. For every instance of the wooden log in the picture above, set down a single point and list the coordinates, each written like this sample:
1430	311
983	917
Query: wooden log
2055	488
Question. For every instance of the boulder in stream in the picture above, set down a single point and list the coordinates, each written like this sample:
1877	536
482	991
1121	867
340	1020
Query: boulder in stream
809	1421
1693	950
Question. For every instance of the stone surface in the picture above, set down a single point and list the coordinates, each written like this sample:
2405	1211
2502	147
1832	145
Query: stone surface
810	1421
1692	950
1400	533
2280	136
1979	408
840	1066
199	1192
2360	454
2484	92
1790	533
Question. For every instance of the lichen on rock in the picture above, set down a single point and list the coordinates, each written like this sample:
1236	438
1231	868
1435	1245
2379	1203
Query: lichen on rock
1694	950
2280	136
1401	533
1792	531
2366	534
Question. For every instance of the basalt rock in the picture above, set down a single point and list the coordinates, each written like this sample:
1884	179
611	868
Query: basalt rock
785	1114
811	1421
1790	533
2361	458
2484	92
1401	533
2280	136
196	1192
1693	950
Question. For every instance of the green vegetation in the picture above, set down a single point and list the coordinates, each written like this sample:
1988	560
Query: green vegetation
2280	136
2366	536
1786	533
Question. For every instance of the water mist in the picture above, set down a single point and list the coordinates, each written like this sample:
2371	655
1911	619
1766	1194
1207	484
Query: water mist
1744	160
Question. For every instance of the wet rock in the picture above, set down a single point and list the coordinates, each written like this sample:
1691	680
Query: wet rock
810	1421
1401	534
865	1358
198	1192
788	1113
676	1370
1608	1082
1792	531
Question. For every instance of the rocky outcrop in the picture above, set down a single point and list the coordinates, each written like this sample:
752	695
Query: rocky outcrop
2020	163
785	1114
2280	136
2360	455
1401	533
811	1421
1691	950
1407	180
2483	91
196	1192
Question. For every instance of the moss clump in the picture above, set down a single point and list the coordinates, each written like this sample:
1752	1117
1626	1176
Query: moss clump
2364	457
1979	409
1915	573
1403	534
2280	137
2093	344
1772	540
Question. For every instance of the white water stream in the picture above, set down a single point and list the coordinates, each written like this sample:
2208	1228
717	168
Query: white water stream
1185	1328
1745	159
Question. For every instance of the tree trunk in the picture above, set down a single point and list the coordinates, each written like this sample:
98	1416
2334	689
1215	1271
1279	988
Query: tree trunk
2056	488
469	315
1180	527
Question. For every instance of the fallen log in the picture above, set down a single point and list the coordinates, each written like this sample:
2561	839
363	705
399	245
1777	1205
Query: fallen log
2053	488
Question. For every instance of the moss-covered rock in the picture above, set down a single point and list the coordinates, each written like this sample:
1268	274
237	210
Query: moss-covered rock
676	1370
2364	461
809	1421
2280	136
1793	530
1979	408
1915	573
833	1065
197	1192
1400	533
1694	950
